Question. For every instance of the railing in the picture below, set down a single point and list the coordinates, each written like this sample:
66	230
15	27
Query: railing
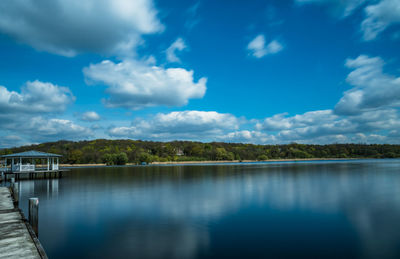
23	168
27	168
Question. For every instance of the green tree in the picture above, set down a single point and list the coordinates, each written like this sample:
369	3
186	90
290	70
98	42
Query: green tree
108	159
121	159
75	157
115	159
262	157
145	157
220	153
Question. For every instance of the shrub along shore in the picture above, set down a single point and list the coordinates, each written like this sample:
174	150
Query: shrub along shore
121	152
213	162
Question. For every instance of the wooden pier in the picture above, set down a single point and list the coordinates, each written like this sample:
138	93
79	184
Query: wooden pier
29	165
17	238
29	175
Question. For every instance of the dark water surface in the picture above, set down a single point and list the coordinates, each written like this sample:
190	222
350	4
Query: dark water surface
342	209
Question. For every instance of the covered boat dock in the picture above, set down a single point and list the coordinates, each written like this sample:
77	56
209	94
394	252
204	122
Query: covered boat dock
31	164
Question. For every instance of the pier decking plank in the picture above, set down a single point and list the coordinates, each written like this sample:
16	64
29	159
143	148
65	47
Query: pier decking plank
15	239
5	199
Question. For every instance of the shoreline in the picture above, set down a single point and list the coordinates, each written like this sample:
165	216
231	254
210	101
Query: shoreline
252	161
218	162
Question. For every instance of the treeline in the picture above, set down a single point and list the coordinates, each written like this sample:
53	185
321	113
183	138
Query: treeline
119	152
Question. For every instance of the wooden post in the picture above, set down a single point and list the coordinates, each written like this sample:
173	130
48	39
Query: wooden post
5	170
12	182
33	214
16	193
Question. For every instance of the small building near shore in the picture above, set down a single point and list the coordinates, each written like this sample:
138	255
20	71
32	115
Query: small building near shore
28	161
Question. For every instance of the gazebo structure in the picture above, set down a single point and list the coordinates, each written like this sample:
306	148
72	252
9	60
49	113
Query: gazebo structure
25	162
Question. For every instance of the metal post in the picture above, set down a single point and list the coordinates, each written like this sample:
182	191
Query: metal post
33	214
16	193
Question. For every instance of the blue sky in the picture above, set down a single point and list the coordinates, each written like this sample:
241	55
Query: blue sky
267	72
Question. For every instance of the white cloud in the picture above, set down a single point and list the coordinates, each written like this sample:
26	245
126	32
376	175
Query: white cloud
96	127
136	84
339	8
257	46
311	127
192	18
27	116
90	116
178	45
68	27
43	129
193	125
35	97
274	47
307	133
372	88
248	136
282	122
273	16
258	49
379	16
10	141
326	127
308	125
319	129
367	113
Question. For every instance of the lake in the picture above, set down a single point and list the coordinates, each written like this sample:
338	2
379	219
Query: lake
323	209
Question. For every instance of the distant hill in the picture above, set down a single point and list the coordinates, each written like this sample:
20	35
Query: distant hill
136	151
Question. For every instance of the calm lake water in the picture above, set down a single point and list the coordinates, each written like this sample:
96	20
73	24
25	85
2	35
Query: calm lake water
329	209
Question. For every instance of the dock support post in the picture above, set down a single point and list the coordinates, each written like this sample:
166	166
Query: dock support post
33	214
12	182
15	191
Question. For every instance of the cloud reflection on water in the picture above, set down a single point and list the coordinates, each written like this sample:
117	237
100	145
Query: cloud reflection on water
169	211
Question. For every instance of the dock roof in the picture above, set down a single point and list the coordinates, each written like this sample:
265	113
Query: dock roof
31	154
